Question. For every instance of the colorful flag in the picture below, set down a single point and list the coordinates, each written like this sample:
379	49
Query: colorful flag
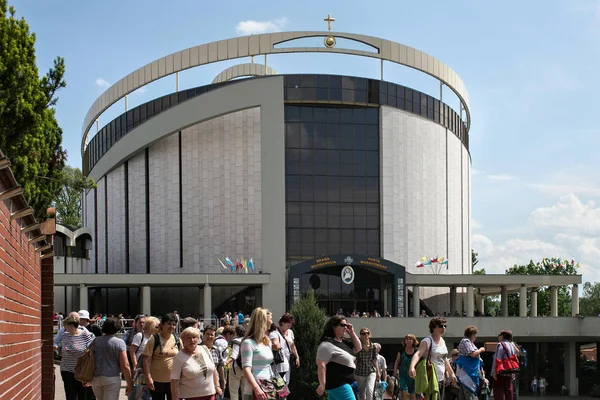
419	264
441	260
230	264
223	265
251	264
424	258
244	265
434	260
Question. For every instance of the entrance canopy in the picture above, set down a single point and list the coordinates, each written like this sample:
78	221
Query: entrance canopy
351	281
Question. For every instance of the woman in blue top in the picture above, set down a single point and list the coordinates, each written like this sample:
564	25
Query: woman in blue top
407	384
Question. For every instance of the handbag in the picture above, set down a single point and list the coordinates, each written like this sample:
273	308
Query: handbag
274	388
507	366
85	368
427	361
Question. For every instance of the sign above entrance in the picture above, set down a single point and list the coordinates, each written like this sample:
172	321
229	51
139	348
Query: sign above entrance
353	260
347	275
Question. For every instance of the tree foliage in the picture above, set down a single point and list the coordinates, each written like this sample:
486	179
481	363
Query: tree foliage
589	304
29	133
474	262
308	328
544	267
68	201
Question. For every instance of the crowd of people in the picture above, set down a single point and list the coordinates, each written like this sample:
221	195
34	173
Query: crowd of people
253	357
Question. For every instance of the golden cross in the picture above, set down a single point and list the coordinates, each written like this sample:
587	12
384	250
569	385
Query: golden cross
329	20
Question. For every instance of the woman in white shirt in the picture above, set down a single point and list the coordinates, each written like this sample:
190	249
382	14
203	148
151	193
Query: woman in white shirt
138	343
435	346
193	375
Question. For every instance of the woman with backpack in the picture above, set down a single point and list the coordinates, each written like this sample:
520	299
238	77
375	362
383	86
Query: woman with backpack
234	361
159	353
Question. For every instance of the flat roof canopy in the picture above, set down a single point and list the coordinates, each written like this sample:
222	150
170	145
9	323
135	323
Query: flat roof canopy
491	284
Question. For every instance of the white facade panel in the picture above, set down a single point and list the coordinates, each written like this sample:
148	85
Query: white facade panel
163	172
101	215
221	191
116	263
136	181
421	196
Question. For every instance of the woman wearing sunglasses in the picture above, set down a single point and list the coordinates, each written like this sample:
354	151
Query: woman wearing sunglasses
367	367
335	359
435	348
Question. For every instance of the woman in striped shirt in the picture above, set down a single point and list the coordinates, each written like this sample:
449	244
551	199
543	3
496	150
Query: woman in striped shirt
257	355
74	343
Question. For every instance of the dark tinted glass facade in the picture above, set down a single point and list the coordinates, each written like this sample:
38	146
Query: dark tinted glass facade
332	181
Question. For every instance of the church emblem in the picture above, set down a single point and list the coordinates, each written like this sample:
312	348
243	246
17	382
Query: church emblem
347	275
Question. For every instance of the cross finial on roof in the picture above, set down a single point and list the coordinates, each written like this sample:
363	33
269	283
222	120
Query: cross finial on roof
329	20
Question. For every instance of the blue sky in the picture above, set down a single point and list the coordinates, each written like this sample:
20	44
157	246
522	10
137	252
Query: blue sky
531	69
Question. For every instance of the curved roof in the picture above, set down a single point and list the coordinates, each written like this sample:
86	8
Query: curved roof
248	69
253	45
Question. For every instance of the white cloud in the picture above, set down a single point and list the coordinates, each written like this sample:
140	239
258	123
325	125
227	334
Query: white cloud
567	229
568	215
559	189
500	177
102	83
251	27
475	225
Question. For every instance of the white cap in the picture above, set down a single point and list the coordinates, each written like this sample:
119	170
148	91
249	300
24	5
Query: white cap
84	314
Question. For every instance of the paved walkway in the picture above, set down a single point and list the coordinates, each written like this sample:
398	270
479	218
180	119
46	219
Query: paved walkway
60	392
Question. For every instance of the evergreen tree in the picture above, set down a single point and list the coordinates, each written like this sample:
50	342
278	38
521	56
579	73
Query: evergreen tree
308	327
29	133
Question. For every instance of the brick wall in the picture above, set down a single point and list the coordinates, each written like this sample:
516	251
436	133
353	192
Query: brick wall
20	313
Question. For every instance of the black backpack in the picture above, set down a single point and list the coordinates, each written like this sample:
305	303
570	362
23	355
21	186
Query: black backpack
238	360
157	342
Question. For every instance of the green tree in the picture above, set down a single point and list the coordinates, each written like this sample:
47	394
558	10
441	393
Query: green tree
589	304
308	328
29	133
474	262
68	201
547	266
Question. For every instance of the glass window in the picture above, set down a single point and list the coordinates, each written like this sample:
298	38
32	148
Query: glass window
293	208
129	120
181	96
292	113
320	188
358	137
333	188
308	81
320	114
309	93
136	116
322	81
372	115
360	96
335	94
333	115
143	116
293	94
347	82
333	136
166	102
293	80
292	135
307	188
320	162
320	135
333	162
346	190
292	161
373	91
306	167
306	135
190	93
323	94
360	83
348	95
292	186
346	163
346	134
335	81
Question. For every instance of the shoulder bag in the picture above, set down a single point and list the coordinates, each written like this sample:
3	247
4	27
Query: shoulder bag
507	366
84	371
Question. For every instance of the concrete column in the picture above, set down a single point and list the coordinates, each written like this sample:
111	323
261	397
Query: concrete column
503	301
385	301
575	300
200	300
83	297
533	311
207	302
146	300
523	301
571	361
416	301
452	300
481	304
553	301
470	302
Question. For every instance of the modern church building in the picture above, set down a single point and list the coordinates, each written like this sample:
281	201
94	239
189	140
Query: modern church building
332	183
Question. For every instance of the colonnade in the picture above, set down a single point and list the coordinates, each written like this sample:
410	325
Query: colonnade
475	300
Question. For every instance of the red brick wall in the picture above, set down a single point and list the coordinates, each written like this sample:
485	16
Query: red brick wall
20	313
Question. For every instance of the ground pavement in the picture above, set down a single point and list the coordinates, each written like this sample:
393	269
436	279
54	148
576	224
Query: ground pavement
60	392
